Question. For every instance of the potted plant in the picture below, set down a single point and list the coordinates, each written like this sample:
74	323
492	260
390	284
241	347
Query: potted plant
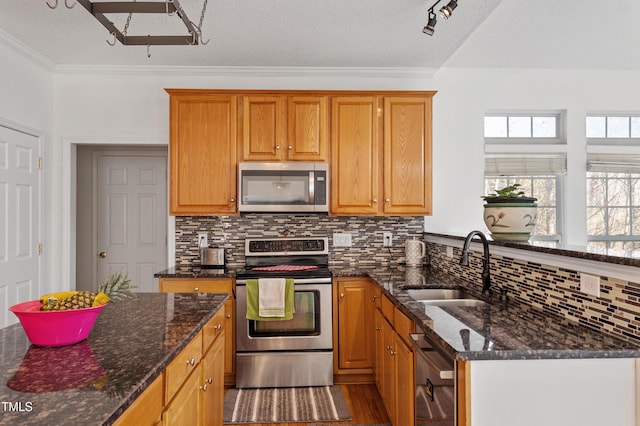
509	214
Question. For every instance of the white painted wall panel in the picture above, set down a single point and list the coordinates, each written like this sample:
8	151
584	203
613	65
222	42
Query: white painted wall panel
585	392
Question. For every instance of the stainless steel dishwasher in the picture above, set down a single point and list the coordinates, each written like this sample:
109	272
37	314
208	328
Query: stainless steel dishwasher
435	385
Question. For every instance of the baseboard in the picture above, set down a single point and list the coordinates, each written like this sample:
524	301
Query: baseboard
350	379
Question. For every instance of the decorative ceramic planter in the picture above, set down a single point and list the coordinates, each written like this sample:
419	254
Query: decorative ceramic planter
511	220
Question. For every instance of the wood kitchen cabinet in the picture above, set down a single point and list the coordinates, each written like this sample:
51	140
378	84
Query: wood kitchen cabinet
285	128
195	379
381	154
146	410
202	153
355	314
394	364
211	285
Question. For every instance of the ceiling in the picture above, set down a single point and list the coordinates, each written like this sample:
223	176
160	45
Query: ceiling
341	33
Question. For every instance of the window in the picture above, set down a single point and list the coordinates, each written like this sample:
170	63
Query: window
613	129
540	176
541	128
517	151
613	202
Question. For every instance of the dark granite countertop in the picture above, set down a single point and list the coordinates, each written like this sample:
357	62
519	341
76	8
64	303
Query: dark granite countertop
196	272
94	381
497	331
617	257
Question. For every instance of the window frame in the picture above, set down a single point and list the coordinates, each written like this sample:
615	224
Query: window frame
611	141
559	139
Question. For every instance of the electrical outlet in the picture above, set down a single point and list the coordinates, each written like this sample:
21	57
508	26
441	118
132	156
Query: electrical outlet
387	239
450	252
341	240
203	240
590	284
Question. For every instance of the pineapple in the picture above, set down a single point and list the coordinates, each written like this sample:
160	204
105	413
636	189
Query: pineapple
116	287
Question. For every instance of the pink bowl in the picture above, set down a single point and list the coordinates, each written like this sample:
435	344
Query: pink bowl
55	328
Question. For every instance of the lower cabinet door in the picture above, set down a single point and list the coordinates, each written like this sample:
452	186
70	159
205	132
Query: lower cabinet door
405	384
184	409
212	384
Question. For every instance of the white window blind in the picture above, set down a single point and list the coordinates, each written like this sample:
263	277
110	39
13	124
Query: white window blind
525	164
613	163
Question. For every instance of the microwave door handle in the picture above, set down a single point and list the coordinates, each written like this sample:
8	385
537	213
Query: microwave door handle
312	182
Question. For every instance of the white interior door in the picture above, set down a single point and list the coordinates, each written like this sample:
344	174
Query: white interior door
131	218
19	221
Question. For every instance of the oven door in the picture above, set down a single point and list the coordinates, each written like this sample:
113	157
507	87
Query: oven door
309	329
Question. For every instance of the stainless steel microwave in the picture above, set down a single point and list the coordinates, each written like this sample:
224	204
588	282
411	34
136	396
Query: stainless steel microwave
283	187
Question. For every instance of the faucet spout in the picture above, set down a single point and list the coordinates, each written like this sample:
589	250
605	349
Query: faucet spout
464	259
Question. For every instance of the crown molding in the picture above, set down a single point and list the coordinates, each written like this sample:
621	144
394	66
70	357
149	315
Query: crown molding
332	72
26	51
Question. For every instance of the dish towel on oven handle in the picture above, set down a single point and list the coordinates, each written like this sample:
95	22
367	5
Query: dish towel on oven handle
274	304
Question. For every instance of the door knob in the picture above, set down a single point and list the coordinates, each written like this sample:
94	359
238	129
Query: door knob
102	254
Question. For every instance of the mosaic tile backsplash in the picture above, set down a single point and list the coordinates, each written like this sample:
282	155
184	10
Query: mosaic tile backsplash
229	232
553	289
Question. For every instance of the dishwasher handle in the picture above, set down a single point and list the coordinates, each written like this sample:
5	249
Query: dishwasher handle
424	349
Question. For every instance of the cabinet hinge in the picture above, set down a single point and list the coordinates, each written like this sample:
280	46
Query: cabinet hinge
39	163
39	249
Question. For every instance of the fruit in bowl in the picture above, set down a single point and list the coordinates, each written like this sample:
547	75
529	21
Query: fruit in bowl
65	318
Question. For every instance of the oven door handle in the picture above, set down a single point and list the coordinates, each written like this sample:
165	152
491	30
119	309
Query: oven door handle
297	281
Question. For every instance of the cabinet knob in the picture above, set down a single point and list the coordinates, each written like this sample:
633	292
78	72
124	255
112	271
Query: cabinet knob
218	327
341	295
374	298
375	201
102	254
192	362
228	315
232	200
392	353
195	289
210	380
204	387
387	200
378	328
277	146
290	147
388	347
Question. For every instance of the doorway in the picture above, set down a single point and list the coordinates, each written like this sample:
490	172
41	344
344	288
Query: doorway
121	214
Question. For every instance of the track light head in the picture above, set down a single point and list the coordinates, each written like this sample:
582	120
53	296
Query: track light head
447	11
431	24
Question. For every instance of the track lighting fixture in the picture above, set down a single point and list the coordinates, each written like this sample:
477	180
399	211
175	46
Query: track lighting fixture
445	12
431	24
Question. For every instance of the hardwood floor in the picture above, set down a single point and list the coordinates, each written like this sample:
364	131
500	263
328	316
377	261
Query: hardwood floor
364	403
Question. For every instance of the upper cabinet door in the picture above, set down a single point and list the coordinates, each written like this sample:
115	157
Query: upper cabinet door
407	155
264	129
308	128
355	154
202	152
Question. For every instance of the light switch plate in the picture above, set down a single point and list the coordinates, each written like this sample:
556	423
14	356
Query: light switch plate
590	284
341	240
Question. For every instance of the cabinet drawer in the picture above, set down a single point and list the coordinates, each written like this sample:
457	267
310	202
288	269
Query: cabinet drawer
403	325
387	309
182	365
147	408
178	285
213	329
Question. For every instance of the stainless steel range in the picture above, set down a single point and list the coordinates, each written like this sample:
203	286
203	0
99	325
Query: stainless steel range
286	353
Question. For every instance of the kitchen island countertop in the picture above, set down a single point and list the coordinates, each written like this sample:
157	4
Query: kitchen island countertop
92	382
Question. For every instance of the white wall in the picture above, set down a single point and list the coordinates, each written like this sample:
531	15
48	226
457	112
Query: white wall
132	108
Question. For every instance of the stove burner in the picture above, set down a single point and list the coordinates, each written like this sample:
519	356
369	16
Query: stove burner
285	268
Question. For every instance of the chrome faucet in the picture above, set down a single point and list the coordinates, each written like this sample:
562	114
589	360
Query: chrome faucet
464	260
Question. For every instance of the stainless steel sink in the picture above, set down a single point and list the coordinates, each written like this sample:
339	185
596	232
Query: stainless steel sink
428	294
454	302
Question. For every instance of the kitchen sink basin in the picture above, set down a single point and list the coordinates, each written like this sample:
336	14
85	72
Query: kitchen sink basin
454	302
428	294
